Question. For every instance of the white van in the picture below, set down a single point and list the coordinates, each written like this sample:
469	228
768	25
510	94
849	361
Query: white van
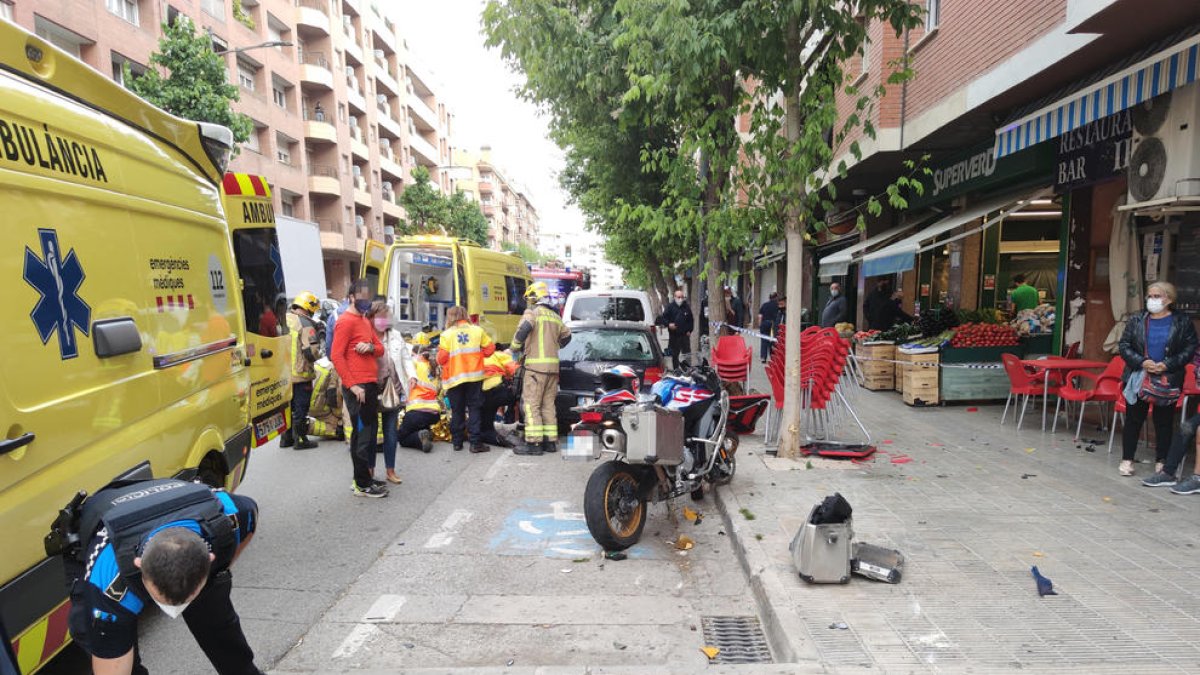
620	305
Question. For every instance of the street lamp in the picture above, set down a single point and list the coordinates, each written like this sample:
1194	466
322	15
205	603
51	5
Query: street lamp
239	50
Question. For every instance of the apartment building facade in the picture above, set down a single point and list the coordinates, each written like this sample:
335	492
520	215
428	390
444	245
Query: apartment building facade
1021	111
510	212
342	112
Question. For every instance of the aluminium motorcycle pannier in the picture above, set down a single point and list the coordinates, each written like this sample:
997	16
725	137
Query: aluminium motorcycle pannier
821	549
654	435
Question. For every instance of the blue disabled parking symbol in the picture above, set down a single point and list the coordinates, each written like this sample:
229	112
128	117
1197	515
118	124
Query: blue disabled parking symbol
552	529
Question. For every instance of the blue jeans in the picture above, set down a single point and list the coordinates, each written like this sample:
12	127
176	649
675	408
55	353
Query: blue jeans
390	419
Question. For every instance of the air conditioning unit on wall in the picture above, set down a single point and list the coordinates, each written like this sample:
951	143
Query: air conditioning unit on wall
1166	146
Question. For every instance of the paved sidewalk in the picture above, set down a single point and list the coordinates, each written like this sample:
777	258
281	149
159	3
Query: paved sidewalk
976	507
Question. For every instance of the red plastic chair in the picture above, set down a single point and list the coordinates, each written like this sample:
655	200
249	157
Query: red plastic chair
1105	388
1022	383
1190	388
731	357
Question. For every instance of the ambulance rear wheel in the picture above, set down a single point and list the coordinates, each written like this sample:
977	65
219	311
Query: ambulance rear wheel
212	471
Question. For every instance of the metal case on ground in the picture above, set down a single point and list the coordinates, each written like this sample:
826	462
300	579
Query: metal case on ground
877	562
821	553
654	435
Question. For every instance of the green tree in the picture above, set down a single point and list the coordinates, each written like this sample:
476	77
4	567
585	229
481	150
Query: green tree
526	252
465	219
427	209
196	84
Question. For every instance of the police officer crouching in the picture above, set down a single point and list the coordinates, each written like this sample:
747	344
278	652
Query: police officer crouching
306	349
167	542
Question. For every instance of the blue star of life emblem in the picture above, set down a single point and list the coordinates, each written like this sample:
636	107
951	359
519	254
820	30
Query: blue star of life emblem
57	279
463	338
277	261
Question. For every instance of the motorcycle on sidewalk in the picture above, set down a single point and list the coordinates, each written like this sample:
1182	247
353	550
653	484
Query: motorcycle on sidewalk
661	447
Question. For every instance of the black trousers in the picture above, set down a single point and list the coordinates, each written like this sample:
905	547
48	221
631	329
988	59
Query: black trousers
1180	444
766	328
1135	417
364	423
301	399
414	422
493	400
466	412
677	342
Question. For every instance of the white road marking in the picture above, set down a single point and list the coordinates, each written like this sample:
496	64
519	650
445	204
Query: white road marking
571	551
528	527
572	533
496	466
355	640
561	513
384	609
449	529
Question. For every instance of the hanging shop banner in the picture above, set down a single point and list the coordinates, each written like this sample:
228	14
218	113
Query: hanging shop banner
978	169
1093	153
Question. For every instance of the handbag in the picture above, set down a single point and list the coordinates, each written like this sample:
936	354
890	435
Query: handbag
1156	389
389	398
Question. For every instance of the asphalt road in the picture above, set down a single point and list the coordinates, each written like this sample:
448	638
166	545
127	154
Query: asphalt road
474	561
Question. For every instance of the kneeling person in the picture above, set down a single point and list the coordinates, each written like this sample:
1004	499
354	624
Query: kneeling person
498	372
166	542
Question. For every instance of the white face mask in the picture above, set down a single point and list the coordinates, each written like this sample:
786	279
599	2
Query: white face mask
833	293
679	301
172	611
1155	305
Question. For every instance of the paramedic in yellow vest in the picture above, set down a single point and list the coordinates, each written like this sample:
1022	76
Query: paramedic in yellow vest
424	406
462	348
540	335
306	349
498	392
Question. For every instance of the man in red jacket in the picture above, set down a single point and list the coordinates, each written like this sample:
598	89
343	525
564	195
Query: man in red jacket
355	347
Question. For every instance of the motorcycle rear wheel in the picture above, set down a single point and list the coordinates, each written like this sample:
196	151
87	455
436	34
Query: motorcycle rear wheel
613	506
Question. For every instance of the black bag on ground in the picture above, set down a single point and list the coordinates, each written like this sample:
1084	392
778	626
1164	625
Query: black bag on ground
833	509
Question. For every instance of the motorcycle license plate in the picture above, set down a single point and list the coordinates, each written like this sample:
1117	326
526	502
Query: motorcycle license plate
581	447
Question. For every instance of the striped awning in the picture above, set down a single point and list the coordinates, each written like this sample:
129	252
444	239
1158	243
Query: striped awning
1169	69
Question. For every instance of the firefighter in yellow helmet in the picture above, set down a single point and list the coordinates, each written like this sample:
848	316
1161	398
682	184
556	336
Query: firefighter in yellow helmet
540	335
306	349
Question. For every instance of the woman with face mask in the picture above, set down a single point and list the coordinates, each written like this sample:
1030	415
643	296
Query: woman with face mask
1157	345
391	393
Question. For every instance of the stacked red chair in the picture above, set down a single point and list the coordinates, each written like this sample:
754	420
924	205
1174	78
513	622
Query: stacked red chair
731	357
1021	383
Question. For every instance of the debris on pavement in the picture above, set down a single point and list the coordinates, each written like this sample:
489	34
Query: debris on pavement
1044	586
1030	449
710	651
619	646
1026	476
1039	554
615	555
840	625
510	662
684	543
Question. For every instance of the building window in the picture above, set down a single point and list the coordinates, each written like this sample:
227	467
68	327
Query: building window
246	76
136	69
280	97
284	148
287	207
126	9
63	38
6	10
254	142
214	8
933	15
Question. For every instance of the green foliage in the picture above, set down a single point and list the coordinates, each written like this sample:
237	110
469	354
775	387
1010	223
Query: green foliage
466	220
241	16
428	211
526	252
196	85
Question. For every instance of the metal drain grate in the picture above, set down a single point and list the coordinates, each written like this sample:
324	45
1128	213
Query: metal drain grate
740	639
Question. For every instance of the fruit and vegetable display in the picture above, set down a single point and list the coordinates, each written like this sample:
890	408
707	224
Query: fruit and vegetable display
934	341
1035	321
985	335
983	315
866	336
901	332
933	322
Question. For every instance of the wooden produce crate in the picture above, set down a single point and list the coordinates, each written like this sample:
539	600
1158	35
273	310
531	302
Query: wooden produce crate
920	382
981	383
878	375
903	368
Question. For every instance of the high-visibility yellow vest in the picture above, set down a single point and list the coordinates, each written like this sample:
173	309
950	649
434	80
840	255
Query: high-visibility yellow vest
495	368
461	351
546	329
424	396
304	336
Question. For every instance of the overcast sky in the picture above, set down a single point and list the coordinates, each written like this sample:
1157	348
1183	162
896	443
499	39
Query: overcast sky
478	87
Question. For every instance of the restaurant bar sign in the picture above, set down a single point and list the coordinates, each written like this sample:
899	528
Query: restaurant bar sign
1094	152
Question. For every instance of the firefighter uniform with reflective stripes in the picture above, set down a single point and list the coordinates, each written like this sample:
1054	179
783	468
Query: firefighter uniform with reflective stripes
540	335
461	351
306	349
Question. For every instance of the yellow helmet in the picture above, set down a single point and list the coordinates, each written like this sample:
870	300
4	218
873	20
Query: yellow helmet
538	290
308	301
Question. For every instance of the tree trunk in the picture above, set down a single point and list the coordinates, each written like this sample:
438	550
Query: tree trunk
790	434
660	290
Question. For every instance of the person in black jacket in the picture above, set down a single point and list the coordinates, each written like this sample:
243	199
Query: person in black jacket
680	324
1159	342
888	312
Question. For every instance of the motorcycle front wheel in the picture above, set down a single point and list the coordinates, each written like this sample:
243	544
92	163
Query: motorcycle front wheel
613	506
726	464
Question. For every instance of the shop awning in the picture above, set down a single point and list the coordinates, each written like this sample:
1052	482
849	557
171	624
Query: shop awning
1164	71
838	264
901	256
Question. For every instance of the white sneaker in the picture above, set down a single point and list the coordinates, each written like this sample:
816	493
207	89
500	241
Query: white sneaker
1126	468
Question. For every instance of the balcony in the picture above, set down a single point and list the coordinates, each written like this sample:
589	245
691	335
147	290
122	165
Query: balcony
354	96
353	46
485	186
488	209
332	234
424	116
314	69
391	205
423	151
380	27
388	164
389	124
324	180
318	128
359	148
361	196
313	14
384	77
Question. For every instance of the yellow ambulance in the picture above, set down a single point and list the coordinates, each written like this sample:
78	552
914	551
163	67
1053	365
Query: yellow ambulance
124	354
251	217
425	275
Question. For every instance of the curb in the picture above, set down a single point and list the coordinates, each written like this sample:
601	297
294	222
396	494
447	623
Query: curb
785	632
